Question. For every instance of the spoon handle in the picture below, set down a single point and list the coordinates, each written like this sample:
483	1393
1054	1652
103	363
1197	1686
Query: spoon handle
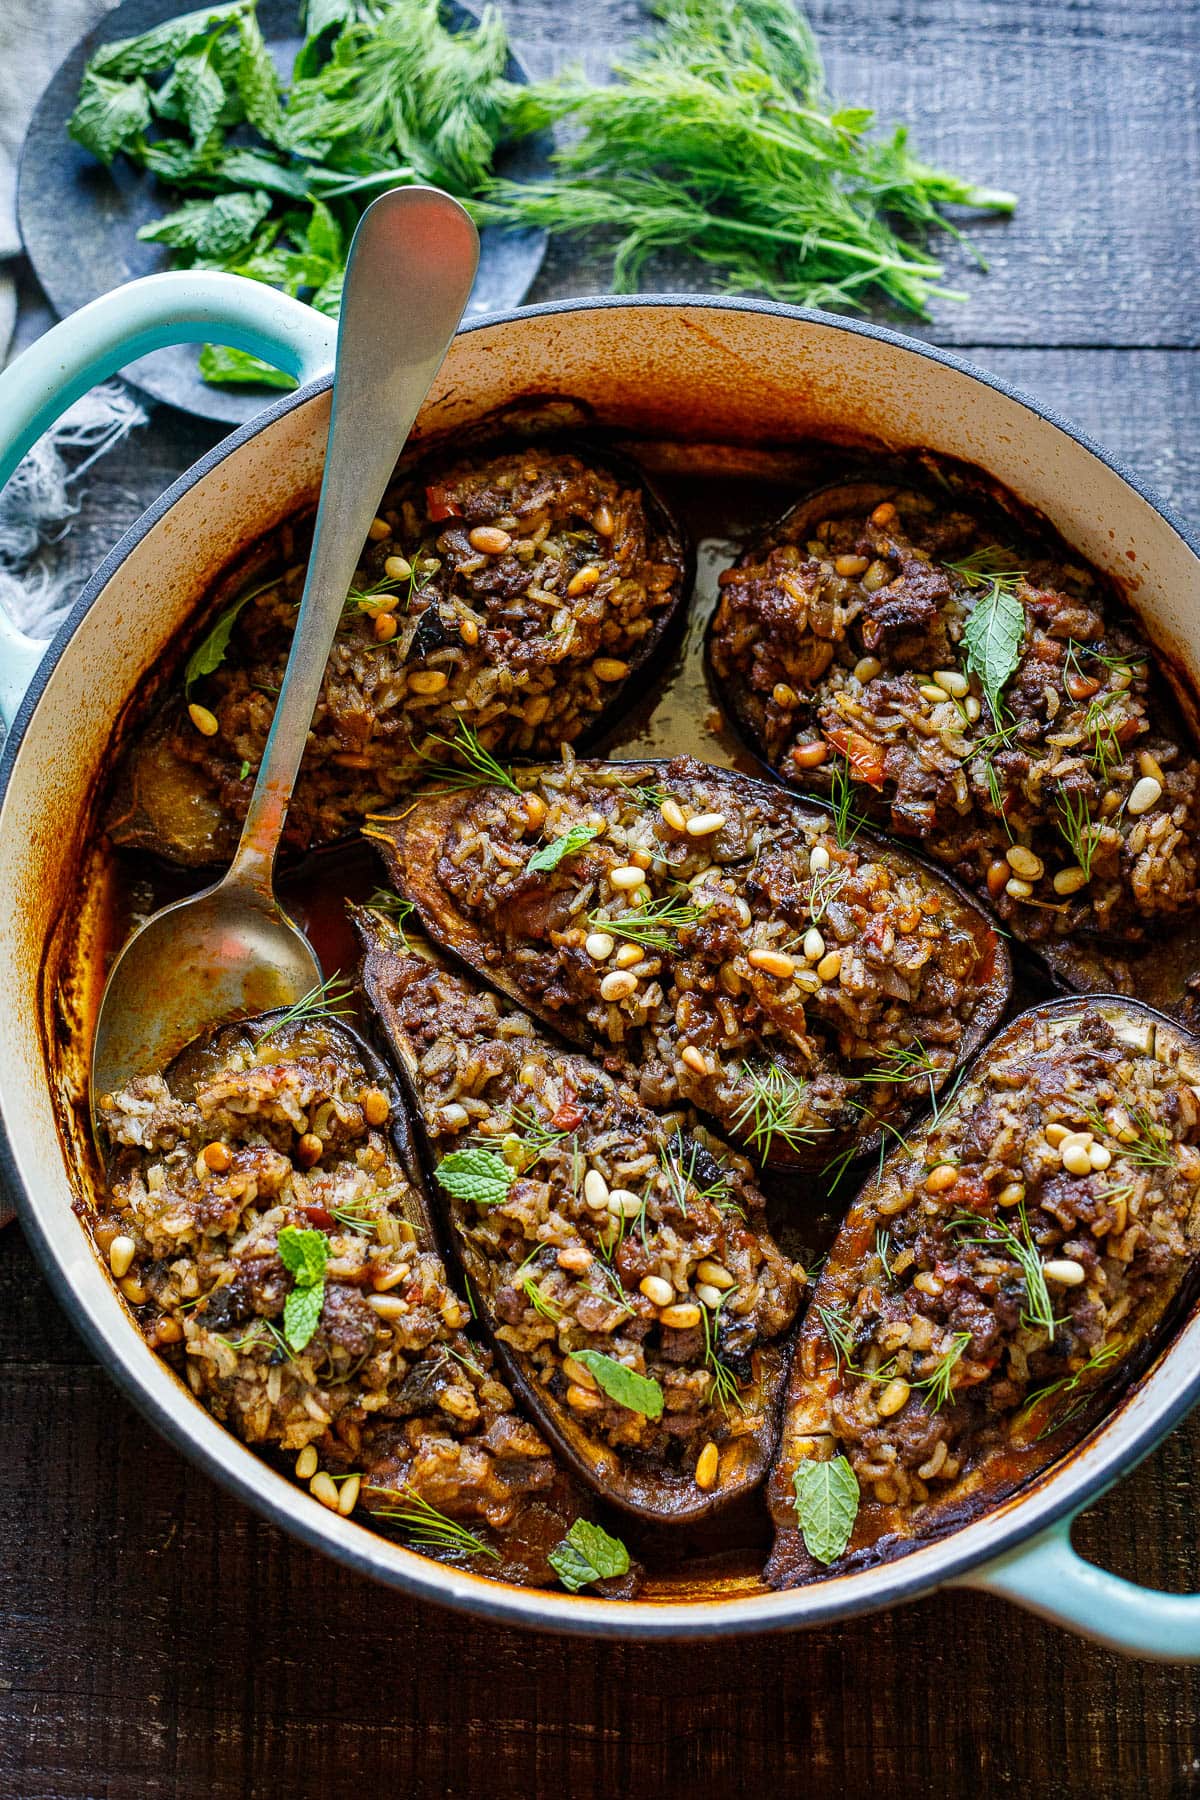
408	277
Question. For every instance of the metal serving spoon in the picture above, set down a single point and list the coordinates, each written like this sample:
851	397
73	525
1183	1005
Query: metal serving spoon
232	950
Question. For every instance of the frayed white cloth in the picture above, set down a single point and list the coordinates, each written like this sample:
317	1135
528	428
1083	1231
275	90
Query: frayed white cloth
39	502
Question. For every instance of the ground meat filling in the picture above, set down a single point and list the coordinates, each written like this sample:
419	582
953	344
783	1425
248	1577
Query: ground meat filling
389	1387
620	1231
1077	809
793	986
508	596
1001	1268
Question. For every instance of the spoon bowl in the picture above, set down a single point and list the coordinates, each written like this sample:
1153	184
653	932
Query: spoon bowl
232	949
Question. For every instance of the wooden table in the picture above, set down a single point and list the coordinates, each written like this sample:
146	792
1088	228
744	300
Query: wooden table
156	1639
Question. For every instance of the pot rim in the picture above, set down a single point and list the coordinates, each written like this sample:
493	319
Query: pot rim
1145	1416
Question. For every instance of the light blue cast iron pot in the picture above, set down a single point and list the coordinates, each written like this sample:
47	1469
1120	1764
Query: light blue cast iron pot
711	371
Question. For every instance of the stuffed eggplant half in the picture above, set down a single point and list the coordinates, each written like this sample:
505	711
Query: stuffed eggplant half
765	961
500	606
619	1256
1010	1261
265	1223
984	694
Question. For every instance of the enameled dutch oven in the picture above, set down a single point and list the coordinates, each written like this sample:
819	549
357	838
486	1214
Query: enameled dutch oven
708	370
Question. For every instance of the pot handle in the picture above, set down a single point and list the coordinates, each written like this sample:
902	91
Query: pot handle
1050	1578
180	307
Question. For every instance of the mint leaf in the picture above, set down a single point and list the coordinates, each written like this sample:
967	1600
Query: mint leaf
304	1254
637	1393
215	229
220	362
992	639
255	169
211	651
193	95
302	1314
479	1176
826	1505
256	81
160	48
323	239
319	15
109	114
551	854
587	1553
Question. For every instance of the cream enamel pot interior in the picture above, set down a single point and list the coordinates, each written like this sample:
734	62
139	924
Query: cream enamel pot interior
714	371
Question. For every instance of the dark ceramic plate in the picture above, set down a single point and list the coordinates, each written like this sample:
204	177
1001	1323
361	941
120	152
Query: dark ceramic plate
79	221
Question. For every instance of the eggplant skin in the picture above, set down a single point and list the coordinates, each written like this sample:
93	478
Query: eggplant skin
407	1402
540	580
690	1292
1006	1271
804	985
1076	812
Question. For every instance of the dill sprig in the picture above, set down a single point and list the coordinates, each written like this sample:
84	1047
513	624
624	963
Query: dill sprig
773	1109
332	998
394	907
1078	829
903	1064
262	1332
938	1385
428	1528
1038	1312
655	926
1067	1384
481	768
990	565
679	1167
848	821
1152	1148
823	887
723	1385
883	1250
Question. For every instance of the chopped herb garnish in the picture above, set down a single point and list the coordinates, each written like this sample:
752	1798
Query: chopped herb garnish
394	907
1038	1313
588	1554
477	1176
774	1109
990	564
938	1385
428	1528
655	926
481	770
333	998
827	1497
824	886
1067	1384
637	1393
244	770
549	855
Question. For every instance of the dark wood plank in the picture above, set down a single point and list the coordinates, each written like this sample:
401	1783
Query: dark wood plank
159	1640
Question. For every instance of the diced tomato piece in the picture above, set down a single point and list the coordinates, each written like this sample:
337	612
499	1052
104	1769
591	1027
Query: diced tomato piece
318	1216
865	758
438	503
568	1117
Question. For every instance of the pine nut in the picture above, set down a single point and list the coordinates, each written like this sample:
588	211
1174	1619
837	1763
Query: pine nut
818	859
1018	889
576	1259
348	1495
309	1150
656	1290
623	1204
595	1190
323	1487
217	1157
582	581
680	1318
672	814
927	1283
1012	1195
772	962
626	877
1023	862
598	945
814	944
884	514
306	1463
867	668
894	1396
997	875
1150	765
121	1253
628	955
1056	1134
783	695
1065	1271
133	1291
618	986
1076	1158
387	1306
387	1279
706	1467
704	824
1146	793
206	723
811	755
849	566
929	690
972	709
602	521
378	529
952	682
941	1178
376	1106
1099	1156
454	1116
695	1060
1069	881
398	568
708	1295
427	681
714	1272
385	629
830	966
610	668
580	1400
489	540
